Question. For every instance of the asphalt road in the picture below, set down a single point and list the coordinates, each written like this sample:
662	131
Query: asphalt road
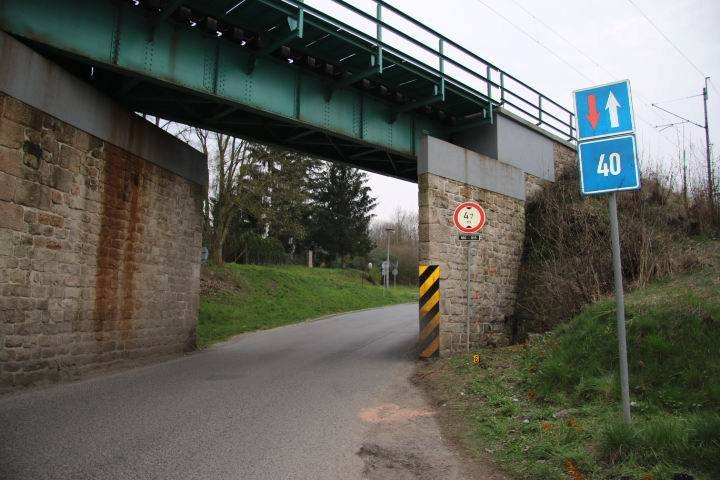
278	404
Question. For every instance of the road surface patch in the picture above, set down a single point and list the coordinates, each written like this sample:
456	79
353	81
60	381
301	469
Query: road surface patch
391	413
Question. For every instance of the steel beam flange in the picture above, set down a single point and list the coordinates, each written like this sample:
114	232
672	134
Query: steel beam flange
374	69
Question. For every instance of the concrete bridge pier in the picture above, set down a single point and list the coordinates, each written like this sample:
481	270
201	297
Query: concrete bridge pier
499	167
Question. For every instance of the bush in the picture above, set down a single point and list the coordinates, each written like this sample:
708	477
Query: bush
251	248
567	260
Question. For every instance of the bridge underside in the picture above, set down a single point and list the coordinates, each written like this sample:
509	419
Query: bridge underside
204	111
272	71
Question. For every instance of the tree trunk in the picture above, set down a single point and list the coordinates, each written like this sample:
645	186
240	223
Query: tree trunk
216	246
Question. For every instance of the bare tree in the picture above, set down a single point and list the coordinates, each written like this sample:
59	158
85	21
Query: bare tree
232	162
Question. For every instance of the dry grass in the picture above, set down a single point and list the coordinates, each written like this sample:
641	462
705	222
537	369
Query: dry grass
567	260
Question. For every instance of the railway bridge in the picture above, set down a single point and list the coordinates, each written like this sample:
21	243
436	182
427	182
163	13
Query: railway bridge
101	212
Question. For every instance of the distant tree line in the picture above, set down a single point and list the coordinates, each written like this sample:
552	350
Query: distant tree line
402	232
268	206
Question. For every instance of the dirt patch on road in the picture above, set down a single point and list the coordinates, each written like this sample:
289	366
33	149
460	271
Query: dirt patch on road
449	407
391	413
392	464
409	438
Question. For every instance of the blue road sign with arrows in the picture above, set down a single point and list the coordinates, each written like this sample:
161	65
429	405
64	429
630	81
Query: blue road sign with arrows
604	110
609	165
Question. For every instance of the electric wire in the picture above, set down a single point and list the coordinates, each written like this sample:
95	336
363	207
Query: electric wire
642	97
530	36
713	86
560	36
679	99
667	39
646	101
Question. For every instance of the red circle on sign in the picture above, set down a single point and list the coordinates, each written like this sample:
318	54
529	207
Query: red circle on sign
463	226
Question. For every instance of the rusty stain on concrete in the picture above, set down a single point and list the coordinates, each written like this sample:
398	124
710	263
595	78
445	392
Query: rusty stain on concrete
118	243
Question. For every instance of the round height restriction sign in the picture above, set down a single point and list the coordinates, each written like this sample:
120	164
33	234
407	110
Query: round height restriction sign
469	217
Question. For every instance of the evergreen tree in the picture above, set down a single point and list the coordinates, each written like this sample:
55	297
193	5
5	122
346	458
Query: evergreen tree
342	210
287	204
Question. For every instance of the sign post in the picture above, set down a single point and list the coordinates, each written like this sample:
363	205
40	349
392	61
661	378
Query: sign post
607	156
469	218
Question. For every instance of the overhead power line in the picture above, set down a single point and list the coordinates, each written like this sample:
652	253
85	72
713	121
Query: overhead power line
713	86
534	39
667	39
559	35
678	99
678	116
643	98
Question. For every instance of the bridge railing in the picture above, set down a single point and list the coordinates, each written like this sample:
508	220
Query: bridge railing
458	68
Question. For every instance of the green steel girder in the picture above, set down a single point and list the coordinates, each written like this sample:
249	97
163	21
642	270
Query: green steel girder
113	36
438	96
487	119
374	69
296	31
189	67
164	15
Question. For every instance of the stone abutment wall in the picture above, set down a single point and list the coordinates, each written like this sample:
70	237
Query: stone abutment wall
99	245
449	175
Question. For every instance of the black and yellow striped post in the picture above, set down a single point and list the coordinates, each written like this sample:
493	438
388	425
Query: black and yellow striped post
429	284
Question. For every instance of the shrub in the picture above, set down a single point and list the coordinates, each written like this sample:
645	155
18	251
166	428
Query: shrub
567	260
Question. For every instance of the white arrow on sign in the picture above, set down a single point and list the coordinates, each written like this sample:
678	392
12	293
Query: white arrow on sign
612	106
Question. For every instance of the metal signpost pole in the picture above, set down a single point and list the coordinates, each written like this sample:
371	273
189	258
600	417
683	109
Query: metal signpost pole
469	218
467	313
619	306
607	158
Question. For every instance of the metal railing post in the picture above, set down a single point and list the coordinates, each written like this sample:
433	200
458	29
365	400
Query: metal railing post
489	84
540	110
518	101
301	19
502	87
442	64
378	33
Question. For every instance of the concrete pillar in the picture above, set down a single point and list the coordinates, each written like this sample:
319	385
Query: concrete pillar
449	175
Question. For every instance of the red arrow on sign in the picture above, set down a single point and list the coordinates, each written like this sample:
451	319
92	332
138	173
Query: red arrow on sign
593	114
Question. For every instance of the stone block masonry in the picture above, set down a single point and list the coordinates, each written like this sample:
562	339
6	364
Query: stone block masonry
99	252
494	260
447	176
100	228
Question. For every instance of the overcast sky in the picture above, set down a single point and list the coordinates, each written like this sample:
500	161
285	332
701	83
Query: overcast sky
558	46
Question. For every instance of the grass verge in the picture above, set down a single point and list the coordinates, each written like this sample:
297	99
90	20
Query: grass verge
242	298
550	409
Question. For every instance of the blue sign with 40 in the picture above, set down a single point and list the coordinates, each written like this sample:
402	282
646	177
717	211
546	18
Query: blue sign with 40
609	165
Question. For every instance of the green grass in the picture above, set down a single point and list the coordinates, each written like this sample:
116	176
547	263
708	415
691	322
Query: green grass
510	398
251	297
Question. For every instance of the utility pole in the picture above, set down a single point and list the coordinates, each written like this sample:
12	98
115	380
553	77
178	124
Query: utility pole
684	172
711	184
